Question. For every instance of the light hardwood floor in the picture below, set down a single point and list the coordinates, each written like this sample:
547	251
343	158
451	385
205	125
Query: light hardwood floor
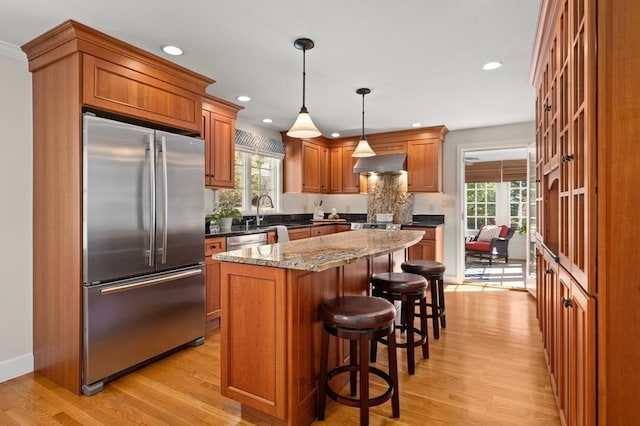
487	368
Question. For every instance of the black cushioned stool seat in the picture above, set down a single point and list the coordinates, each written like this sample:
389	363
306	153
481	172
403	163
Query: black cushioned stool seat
433	272
360	319
411	290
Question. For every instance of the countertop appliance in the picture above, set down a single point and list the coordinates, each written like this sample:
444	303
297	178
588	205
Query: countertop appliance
143	246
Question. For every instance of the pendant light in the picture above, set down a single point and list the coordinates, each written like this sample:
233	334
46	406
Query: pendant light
303	126
363	149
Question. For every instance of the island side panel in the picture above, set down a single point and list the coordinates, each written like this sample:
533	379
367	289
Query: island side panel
305	292
253	336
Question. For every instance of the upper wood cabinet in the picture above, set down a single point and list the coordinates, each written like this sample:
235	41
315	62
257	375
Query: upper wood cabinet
218	131
76	68
424	165
305	166
350	181
303	161
147	94
335	169
342	180
394	147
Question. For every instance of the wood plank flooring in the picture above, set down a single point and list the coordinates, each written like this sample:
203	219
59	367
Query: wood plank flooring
487	368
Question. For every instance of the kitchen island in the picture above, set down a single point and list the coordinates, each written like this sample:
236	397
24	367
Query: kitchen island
270	333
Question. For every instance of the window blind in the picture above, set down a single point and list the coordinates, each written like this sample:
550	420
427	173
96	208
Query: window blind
258	144
496	171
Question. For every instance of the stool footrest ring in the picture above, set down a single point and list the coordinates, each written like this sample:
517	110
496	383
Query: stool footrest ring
355	402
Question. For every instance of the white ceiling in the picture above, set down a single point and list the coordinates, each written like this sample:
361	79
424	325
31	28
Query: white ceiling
421	59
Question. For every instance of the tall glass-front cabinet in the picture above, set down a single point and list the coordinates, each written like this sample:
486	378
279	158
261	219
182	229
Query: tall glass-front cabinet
585	68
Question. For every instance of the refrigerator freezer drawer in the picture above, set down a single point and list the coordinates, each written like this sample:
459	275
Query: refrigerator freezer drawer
129	322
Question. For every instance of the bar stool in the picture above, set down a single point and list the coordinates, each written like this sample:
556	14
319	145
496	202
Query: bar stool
434	273
411	290
359	319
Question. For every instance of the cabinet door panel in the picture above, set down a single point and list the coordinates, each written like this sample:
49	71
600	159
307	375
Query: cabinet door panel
424	165
335	165
583	357
311	167
223	144
212	277
350	180
114	88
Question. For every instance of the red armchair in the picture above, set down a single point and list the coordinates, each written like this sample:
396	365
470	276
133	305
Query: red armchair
491	246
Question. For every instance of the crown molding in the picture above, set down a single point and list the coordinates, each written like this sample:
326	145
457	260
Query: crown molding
12	51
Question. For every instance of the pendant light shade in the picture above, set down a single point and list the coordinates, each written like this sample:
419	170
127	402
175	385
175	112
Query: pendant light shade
303	126
363	149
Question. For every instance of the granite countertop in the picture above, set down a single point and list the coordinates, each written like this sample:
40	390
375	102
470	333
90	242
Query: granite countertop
326	251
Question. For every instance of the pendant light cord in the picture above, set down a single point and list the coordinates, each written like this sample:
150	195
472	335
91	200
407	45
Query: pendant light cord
362	117
304	77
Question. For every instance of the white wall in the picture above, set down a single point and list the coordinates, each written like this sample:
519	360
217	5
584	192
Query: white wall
16	183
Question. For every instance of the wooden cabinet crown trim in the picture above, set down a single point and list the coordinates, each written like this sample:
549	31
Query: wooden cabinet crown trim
72	36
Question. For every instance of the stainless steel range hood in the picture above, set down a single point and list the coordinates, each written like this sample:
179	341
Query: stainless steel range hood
387	163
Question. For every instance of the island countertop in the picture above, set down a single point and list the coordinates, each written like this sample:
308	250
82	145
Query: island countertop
326	251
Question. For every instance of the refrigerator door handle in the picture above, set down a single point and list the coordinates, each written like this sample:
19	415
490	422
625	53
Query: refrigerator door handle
152	199
150	282
165	200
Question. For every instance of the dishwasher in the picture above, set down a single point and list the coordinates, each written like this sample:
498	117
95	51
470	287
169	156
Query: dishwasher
238	242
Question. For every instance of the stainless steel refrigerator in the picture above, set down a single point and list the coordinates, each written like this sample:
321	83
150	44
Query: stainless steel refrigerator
143	246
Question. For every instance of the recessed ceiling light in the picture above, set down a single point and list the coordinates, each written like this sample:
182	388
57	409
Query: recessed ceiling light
491	65
267	120
243	98
416	125
335	135
172	50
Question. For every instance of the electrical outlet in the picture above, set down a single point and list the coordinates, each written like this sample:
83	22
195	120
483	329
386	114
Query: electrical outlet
449	203
347	208
305	209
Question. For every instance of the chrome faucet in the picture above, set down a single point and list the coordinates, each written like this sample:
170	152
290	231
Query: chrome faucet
258	218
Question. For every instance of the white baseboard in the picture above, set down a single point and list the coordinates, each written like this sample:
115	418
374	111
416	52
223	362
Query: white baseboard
15	367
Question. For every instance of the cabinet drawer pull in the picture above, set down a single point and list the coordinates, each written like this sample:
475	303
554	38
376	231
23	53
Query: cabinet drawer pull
567	157
566	302
547	271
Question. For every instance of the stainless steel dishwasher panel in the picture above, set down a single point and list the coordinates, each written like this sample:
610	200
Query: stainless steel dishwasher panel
131	321
238	242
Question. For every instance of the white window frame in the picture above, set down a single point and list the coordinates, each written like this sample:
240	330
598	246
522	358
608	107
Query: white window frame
247	208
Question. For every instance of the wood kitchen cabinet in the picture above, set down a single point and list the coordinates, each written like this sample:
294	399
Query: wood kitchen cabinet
75	68
351	182
342	180
306	166
335	170
212	278
120	86
326	166
218	131
299	233
431	247
343	227
315	231
394	147
584	70
424	165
